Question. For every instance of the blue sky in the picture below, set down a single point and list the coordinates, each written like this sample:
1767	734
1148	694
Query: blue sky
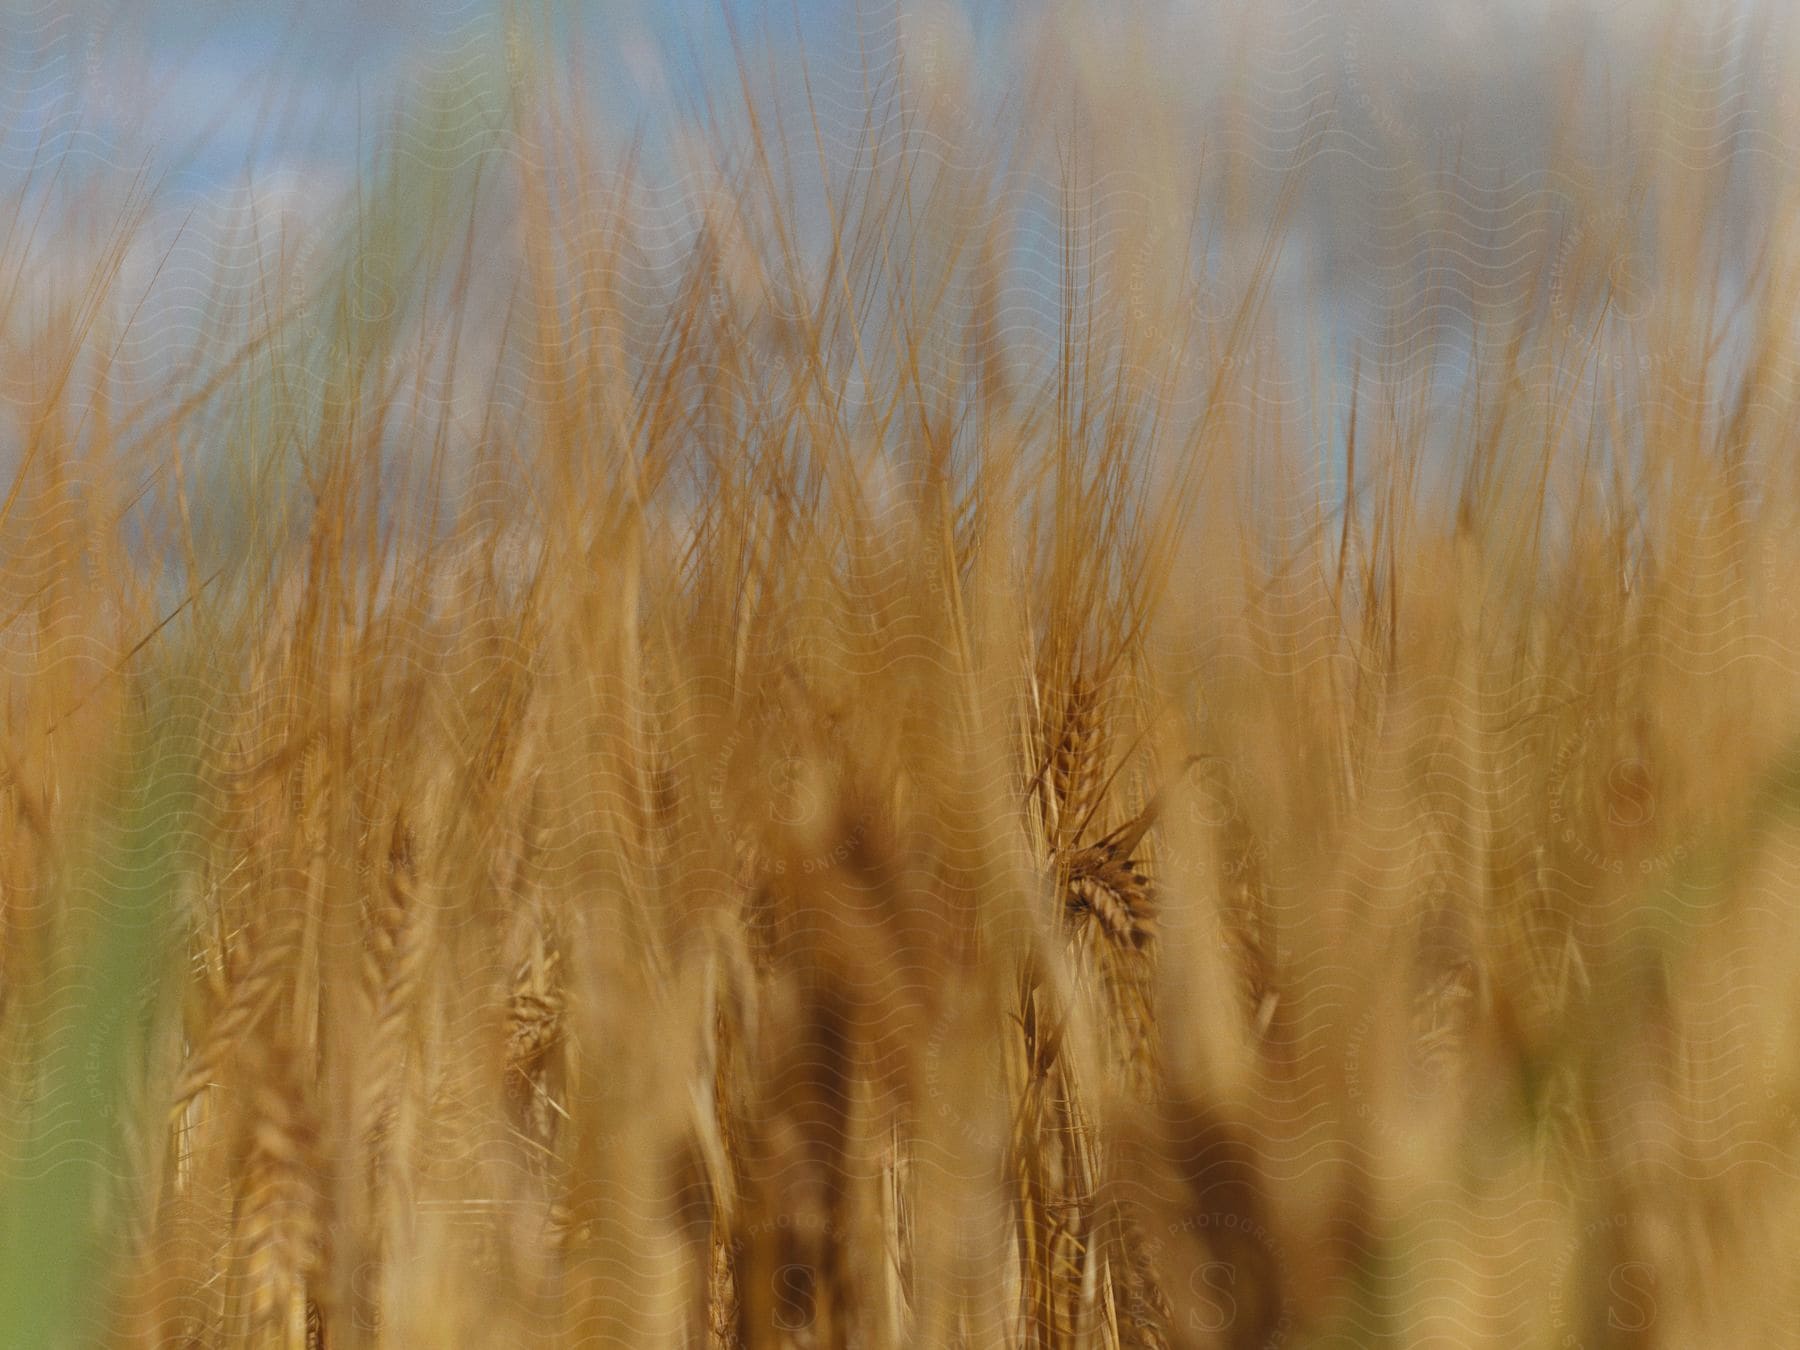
212	94
215	85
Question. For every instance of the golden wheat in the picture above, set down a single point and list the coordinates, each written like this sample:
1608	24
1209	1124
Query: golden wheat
821	822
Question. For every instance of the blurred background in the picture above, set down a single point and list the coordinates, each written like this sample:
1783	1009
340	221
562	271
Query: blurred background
1445	149
1270	197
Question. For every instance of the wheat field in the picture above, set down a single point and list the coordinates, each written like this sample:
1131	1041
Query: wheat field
916	760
